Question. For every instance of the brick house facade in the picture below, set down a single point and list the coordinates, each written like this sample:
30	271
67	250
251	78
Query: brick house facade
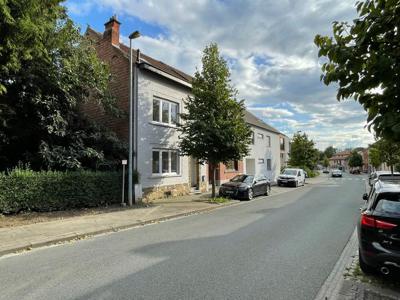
161	90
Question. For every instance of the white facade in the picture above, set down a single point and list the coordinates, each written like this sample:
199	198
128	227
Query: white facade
264	155
160	137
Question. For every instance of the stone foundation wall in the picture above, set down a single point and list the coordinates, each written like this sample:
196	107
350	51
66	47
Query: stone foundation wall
165	191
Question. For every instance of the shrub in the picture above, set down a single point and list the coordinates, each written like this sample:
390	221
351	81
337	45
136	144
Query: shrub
310	173
27	190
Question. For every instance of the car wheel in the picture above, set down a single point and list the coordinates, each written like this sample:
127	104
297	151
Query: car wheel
250	194
363	266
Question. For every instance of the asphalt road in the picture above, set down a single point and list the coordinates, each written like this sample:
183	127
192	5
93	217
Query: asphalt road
277	247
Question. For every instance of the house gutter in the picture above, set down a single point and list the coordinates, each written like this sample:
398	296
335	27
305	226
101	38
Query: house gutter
146	66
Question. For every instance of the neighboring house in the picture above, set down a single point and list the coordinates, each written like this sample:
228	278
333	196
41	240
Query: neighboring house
365	157
161	90
284	145
265	153
340	160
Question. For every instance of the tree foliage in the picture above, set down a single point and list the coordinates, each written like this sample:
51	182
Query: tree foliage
48	70
355	160
363	58
213	128
303	152
330	151
325	162
385	151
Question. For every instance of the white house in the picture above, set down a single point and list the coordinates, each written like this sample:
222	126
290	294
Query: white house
265	157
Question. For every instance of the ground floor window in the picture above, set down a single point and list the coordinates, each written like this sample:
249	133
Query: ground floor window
232	165
269	164
165	162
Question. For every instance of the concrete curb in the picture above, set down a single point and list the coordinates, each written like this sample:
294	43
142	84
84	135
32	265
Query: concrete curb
76	236
333	284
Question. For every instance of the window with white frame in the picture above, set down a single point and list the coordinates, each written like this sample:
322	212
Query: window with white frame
260	136
268	141
165	111
165	162
261	160
269	164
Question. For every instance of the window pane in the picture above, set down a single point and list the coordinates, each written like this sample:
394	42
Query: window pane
174	162
165	112
165	162
230	165
269	164
174	113
156	110
156	162
269	141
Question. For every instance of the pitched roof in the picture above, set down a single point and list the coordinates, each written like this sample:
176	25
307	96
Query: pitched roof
148	59
253	120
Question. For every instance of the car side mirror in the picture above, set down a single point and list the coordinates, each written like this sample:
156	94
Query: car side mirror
365	196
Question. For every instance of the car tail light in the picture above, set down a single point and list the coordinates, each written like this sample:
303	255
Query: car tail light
384	225
369	221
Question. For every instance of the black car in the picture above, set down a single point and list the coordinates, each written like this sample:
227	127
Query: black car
245	187
379	229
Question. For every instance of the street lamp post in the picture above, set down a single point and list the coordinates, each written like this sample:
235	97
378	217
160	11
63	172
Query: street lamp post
131	191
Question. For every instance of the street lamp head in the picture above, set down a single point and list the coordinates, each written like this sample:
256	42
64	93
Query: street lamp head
134	35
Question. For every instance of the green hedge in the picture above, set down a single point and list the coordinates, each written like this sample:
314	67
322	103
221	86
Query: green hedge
26	190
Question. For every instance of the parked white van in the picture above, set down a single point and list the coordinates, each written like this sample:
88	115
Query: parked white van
294	177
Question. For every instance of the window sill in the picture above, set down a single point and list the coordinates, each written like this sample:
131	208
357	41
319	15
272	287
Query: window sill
155	176
163	124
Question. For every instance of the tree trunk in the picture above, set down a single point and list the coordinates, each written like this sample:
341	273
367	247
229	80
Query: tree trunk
213	170
391	169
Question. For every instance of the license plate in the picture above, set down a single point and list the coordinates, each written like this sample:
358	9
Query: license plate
228	192
284	181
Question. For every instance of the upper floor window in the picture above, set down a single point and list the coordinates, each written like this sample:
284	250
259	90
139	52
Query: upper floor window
252	137
269	164
260	135
282	143
165	111
268	141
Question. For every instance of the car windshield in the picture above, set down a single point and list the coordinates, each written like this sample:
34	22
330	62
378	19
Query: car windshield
243	178
388	204
289	172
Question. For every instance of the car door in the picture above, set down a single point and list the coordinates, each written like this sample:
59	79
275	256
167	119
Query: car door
259	184
299	177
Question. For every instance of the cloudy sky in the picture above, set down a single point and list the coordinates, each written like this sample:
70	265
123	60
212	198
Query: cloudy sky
269	47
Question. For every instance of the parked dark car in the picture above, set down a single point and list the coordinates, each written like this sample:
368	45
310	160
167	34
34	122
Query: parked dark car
325	171
245	187
379	229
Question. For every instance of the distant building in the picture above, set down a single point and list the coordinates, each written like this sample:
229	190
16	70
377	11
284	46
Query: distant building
340	160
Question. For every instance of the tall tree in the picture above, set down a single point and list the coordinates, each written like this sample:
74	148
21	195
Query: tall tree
40	117
388	152
24	27
363	58
213	128
330	151
375	157
325	162
355	160
303	152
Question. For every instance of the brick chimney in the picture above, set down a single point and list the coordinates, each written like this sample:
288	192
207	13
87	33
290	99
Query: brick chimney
111	31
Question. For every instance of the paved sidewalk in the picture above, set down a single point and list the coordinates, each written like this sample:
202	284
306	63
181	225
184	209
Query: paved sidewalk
14	239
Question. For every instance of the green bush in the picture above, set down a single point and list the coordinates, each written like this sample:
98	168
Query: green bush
26	190
310	173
